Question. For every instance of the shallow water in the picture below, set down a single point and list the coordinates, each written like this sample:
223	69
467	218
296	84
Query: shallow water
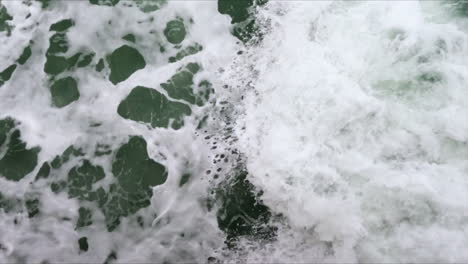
222	131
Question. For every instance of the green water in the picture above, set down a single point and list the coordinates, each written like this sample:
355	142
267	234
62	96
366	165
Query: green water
115	180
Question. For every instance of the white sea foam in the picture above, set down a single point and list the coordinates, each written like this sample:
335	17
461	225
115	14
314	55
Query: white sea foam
26	98
367	161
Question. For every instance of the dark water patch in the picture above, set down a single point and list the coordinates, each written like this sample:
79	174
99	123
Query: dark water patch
83	244
123	62
134	169
55	64
242	15
18	160
28	206
185	178
62	25
80	59
6	74
44	3
58	43
181	86
148	6
129	37
459	7
104	2
134	175
5	26
8	204
237	10
100	65
175	31
85	60
203	122
44	171
190	50
68	154
111	258
150	106
213	260
25	55
32	207
64	91
430	77
58	186
247	30
73	60
81	179
241	212
102	150
85	218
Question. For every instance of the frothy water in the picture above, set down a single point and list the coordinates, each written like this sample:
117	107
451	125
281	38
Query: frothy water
204	131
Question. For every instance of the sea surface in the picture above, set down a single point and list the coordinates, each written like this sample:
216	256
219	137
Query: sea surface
233	131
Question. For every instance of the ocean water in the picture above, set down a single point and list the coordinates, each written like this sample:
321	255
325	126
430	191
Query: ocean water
250	131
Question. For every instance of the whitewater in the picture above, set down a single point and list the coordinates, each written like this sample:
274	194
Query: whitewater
332	132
